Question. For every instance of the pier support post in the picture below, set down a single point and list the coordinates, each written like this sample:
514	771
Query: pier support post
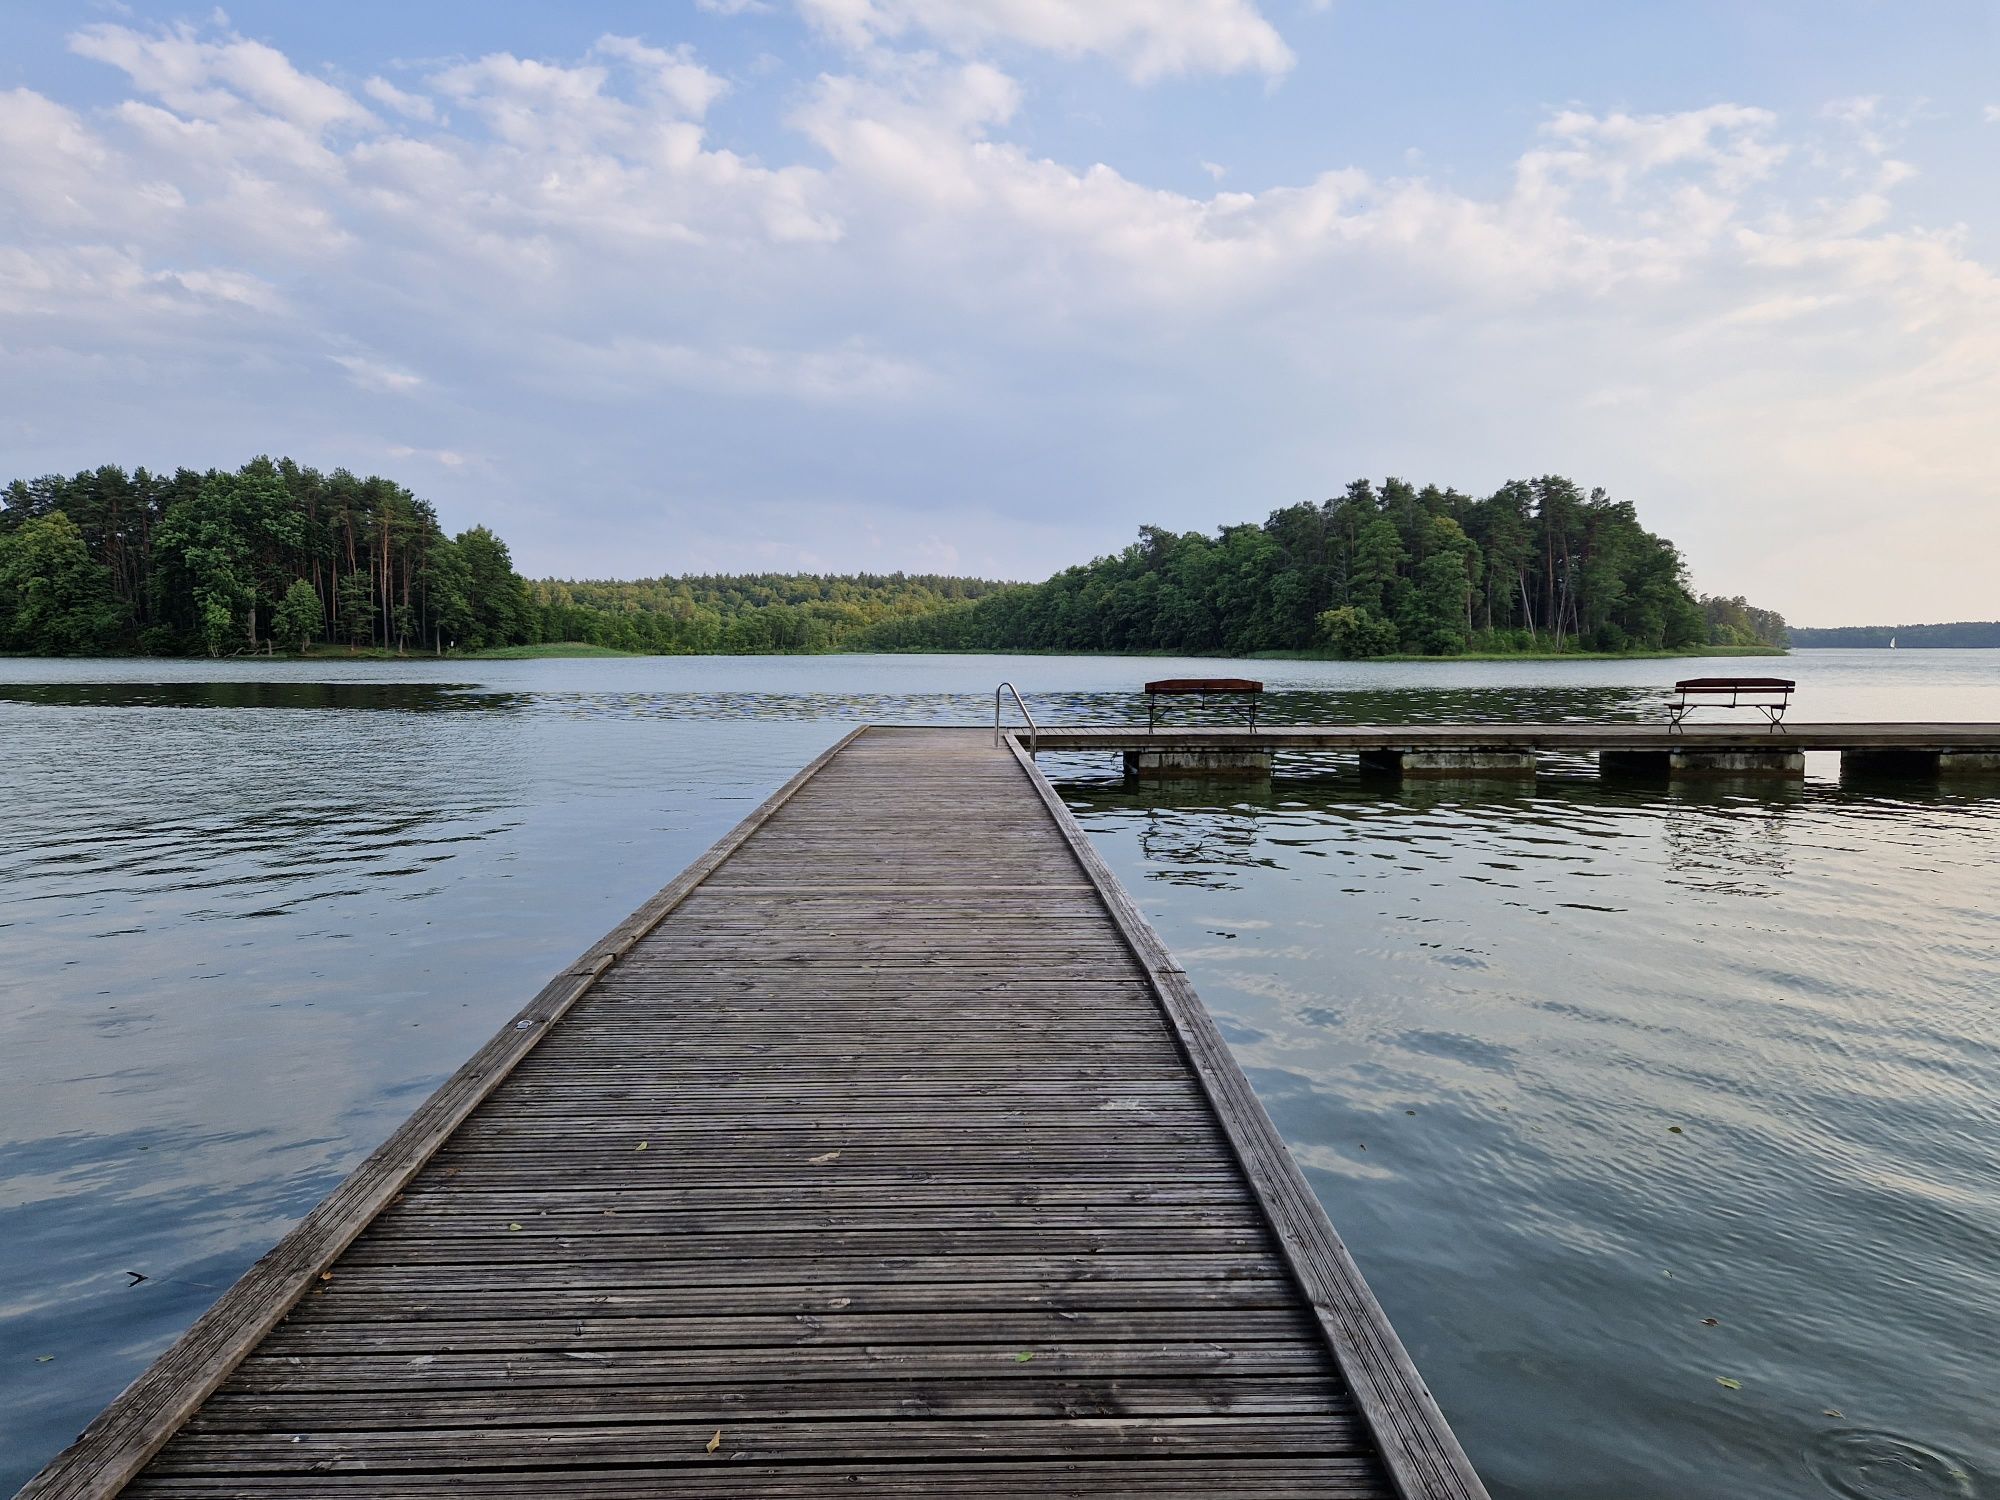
1701	762
1968	762
1198	765
1443	763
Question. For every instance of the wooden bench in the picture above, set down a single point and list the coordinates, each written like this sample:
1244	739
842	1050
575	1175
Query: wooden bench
1204	688
1770	696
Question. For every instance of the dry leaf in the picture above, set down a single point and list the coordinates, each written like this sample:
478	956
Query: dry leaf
640	1147
820	1161
513	1228
716	1441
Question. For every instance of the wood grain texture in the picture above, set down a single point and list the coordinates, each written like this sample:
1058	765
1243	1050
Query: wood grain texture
875	1156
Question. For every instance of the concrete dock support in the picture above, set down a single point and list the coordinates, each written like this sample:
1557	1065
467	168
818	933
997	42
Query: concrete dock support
1701	762
1968	762
1449	763
1198	765
1920	762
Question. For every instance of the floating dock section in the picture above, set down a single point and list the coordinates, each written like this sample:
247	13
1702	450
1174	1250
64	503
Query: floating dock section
886	1152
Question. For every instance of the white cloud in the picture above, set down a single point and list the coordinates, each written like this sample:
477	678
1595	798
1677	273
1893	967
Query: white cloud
639	367
376	375
1148	38
209	79
449	458
410	106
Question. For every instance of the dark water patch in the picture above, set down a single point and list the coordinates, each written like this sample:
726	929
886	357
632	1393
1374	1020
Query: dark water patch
405	697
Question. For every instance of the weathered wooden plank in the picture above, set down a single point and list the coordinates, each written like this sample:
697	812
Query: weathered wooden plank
534	1370
1019	1329
667	1443
1227	1477
349	1300
995	1396
661	1272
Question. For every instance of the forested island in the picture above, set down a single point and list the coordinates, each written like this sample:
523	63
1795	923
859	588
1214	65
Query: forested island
1966	635
278	557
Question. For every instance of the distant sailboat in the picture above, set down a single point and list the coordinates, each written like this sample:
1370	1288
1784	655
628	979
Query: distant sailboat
1892	643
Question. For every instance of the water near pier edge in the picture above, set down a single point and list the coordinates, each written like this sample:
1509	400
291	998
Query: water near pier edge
1662	1120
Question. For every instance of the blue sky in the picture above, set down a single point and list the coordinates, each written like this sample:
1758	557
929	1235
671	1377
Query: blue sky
983	285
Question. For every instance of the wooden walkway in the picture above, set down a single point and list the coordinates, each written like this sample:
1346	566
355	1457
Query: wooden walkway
884	1153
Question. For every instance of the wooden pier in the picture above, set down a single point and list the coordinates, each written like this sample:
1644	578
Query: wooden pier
885	1152
1693	747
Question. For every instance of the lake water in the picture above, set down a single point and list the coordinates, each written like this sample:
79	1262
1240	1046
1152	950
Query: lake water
1615	1091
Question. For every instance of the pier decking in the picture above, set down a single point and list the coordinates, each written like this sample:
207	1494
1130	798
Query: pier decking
886	1152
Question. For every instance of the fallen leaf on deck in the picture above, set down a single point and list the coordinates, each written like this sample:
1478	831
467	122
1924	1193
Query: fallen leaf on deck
640	1147
513	1228
716	1441
1023	1357
820	1161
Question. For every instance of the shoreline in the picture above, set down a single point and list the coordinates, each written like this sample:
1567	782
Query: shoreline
582	650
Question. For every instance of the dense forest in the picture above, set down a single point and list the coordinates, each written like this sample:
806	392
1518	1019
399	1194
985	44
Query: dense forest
743	613
275	556
1538	565
1960	635
279	557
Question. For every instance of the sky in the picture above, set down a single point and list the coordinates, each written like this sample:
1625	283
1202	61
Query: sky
982	286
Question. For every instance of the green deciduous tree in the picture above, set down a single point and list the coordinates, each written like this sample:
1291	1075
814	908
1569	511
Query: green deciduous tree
55	600
298	620
1352	633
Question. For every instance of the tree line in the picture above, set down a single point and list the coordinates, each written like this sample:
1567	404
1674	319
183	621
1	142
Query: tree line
1538	565
278	556
744	613
271	555
1970	635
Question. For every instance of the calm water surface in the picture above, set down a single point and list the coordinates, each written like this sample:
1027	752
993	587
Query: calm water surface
1616	1091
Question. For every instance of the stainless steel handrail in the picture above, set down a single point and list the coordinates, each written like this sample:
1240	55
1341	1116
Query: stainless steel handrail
1008	687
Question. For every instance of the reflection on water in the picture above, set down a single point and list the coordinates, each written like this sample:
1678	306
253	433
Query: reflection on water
1283	706
1578	1066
